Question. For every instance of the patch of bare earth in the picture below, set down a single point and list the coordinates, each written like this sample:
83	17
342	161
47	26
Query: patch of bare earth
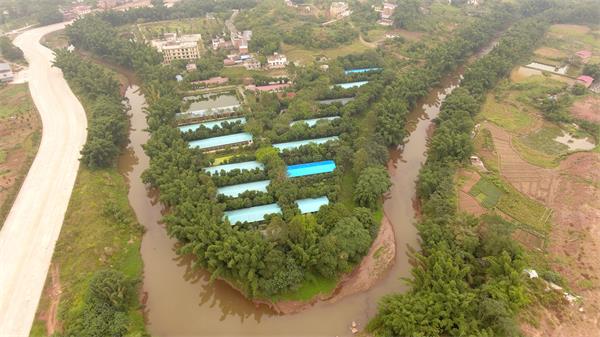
574	246
466	202
588	109
572	191
549	52
19	139
52	292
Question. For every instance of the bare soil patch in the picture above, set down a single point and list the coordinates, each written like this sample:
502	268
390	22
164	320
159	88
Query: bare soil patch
466	202
588	109
574	246
533	181
550	53
20	133
52	292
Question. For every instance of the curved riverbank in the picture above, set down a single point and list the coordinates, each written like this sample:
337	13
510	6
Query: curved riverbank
183	301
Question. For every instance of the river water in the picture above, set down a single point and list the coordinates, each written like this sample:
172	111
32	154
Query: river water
182	302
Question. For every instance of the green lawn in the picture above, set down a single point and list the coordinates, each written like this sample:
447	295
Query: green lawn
312	286
306	56
486	193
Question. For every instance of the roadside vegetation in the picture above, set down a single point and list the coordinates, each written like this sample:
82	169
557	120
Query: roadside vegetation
467	279
10	52
98	251
20	135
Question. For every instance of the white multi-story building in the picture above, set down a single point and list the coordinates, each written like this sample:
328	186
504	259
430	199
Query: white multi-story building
184	47
6	74
385	16
276	61
339	10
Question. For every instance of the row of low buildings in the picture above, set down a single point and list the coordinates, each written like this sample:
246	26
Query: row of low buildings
248	61
237	40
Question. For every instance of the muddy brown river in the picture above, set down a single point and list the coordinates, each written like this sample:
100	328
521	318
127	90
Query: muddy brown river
182	302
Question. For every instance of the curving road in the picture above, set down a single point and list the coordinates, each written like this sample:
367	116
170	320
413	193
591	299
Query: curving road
29	234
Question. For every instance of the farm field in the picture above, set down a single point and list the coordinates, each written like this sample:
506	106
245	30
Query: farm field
20	134
563	41
544	161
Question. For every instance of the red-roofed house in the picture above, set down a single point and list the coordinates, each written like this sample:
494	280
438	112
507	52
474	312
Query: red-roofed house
269	88
584	54
585	80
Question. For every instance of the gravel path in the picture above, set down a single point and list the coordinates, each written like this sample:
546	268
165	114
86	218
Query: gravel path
29	234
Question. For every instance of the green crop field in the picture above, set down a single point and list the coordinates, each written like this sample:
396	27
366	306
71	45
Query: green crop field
486	193
524	210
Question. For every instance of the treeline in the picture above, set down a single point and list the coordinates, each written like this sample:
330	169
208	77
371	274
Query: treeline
99	37
402	94
107	120
467	280
104	308
238	176
203	132
9	51
180	10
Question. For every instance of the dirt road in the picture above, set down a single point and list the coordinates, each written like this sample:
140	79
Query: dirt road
32	227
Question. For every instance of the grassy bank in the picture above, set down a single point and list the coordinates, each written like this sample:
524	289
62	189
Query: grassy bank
99	232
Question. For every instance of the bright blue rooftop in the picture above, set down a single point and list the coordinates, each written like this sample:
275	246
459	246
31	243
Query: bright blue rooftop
308	169
313	121
211	124
350	85
252	214
311	205
235	190
360	70
343	100
247	165
298	143
221	140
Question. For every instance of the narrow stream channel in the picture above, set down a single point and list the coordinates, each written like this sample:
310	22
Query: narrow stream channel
182	302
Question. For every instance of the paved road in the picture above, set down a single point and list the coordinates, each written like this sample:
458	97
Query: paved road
29	234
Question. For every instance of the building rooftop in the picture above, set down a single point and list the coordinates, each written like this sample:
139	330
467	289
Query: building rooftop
252	214
585	80
311	205
247	165
212	142
4	67
298	143
308	169
236	190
